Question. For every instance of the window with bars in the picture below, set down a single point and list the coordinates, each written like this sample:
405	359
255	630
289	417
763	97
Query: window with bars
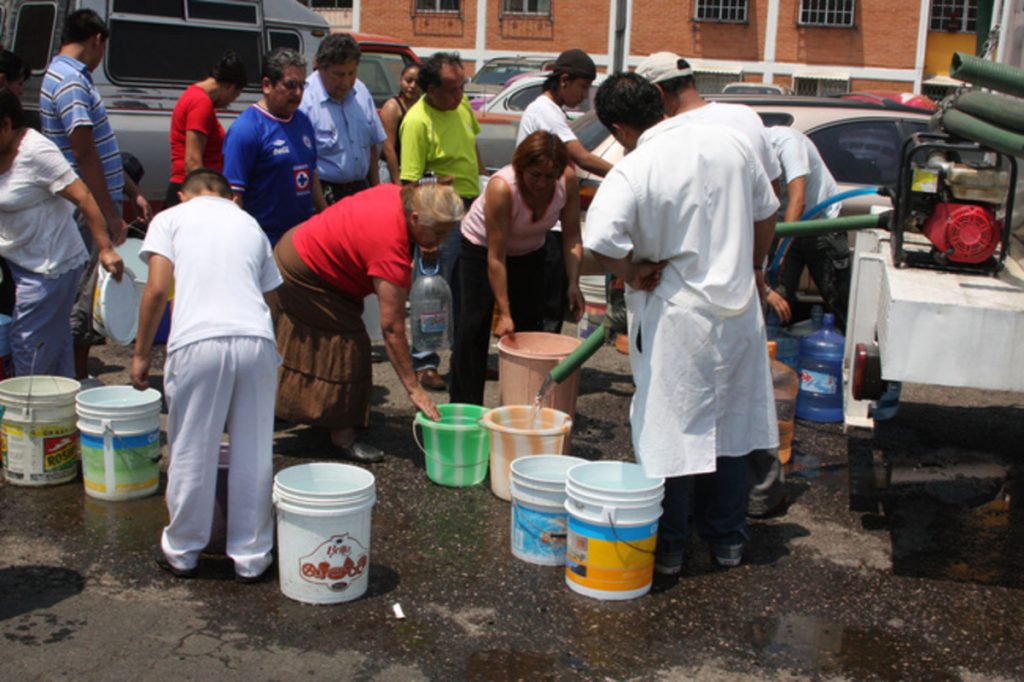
540	7
957	16
720	10
329	4
826	12
437	6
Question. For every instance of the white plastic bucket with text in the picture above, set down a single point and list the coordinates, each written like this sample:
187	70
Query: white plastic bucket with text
120	441
40	438
323	531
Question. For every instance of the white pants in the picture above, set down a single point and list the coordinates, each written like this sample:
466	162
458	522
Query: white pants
209	384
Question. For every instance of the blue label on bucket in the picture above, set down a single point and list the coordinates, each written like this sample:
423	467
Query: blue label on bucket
138	441
538	535
612	533
818	382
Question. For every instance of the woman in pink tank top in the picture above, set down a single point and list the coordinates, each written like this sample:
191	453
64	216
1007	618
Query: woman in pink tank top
501	260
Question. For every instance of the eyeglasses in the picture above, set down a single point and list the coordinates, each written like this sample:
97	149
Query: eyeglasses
293	85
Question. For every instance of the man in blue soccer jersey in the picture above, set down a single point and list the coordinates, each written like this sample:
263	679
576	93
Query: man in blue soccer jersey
270	151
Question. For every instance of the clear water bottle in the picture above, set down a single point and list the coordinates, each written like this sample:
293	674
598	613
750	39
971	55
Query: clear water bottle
430	309
809	326
786	385
821	374
788	347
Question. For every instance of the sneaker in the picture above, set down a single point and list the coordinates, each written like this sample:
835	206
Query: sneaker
184	573
668	563
728	556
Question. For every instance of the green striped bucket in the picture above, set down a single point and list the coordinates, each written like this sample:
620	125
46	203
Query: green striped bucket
456	448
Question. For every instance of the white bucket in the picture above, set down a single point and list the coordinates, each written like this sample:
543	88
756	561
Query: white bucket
323	531
538	508
613	527
129	252
40	439
115	307
120	441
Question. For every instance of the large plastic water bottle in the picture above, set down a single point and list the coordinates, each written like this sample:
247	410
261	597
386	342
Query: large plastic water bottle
786	385
430	307
810	325
821	374
788	347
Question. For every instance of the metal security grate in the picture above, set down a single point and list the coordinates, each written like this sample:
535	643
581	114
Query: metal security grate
720	10
958	16
826	12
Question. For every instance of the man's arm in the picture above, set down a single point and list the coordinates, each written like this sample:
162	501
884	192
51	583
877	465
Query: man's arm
133	192
585	160
374	178
90	168
796	192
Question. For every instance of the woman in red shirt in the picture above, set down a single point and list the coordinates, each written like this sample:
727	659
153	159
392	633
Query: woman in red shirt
196	135
330	263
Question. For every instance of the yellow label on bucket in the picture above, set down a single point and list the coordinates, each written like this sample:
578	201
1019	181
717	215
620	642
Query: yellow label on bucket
610	559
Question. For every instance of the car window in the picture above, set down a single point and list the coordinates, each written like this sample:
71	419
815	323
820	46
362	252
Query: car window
861	152
381	73
590	131
775	118
498	74
520	100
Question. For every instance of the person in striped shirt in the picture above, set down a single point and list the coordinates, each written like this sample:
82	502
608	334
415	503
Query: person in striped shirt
73	116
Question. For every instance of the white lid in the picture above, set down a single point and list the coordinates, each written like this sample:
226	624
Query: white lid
118	304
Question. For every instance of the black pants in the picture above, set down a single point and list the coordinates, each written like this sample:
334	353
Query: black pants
526	299
827	257
556	300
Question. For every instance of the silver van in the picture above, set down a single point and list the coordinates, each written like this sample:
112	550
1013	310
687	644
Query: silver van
156	49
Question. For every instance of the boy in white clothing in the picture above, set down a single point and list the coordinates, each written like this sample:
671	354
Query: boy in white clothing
221	369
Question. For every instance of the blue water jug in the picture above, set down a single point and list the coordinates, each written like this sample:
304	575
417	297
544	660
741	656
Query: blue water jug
821	374
787	348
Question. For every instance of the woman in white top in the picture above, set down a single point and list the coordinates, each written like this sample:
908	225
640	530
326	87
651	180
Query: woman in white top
38	194
501	260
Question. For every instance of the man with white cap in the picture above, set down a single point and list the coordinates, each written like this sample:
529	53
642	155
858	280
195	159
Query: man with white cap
567	85
684	219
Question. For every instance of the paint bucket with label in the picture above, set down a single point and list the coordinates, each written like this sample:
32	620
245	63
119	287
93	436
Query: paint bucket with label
120	441
115	307
456	448
613	527
323	531
516	431
538	508
40	438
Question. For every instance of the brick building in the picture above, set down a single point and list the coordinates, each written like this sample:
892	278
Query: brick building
813	46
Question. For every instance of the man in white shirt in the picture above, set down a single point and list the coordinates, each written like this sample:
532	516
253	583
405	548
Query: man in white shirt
221	368
684	219
567	85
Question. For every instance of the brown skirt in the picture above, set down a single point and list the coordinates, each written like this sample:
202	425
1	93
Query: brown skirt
326	374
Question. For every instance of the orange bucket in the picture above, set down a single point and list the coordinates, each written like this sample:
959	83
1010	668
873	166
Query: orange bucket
517	432
526	359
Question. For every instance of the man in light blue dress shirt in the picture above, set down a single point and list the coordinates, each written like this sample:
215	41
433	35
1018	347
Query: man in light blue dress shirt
348	129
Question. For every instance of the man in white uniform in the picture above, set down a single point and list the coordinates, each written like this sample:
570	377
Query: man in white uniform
567	86
221	369
684	219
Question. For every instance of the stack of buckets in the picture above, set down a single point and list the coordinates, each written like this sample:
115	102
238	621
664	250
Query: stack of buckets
599	519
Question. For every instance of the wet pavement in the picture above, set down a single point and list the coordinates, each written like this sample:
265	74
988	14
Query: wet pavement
901	556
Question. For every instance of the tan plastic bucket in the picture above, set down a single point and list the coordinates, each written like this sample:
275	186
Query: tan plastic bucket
525	360
515	434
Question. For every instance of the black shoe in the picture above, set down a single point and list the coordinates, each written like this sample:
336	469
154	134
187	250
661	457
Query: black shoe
361	452
269	573
183	573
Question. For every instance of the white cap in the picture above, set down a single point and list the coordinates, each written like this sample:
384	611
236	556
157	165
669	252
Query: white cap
663	66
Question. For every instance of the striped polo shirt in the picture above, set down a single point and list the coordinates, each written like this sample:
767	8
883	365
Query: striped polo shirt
69	99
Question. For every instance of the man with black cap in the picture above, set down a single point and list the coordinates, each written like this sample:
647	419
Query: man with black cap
567	85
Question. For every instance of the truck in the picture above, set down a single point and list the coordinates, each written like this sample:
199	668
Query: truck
157	48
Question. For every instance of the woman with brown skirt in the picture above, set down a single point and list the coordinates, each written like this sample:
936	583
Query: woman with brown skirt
330	263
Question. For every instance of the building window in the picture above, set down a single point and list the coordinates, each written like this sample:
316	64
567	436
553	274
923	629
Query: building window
820	87
437	5
328	4
540	7
956	16
720	10
826	12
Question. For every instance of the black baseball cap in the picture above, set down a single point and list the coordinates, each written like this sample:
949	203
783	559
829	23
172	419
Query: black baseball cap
576	63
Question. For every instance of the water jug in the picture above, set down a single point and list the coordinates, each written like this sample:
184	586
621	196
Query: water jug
887	405
430	309
788	346
809	326
821	374
786	385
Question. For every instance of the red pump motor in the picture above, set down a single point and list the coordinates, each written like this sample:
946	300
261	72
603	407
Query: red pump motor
963	233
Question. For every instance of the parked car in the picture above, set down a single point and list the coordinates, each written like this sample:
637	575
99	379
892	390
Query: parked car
882	96
742	88
381	65
495	73
499	117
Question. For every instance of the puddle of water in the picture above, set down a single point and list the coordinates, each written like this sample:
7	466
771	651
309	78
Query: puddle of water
498	665
810	642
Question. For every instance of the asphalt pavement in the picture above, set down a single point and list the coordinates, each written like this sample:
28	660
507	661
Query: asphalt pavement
901	556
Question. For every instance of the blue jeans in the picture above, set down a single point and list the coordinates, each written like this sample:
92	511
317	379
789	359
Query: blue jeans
448	252
716	501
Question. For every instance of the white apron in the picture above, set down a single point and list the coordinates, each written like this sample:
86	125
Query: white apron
703	384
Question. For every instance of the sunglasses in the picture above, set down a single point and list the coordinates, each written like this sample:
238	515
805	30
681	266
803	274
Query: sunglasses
293	85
